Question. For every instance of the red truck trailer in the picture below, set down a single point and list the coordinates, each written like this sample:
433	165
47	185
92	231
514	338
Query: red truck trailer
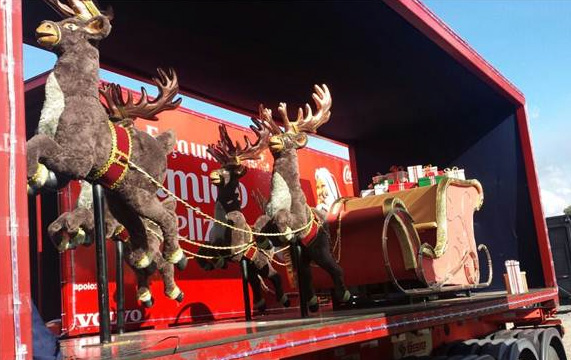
407	90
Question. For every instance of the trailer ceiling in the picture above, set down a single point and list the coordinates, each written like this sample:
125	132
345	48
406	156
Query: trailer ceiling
383	73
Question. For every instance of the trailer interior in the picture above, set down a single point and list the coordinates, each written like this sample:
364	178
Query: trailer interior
406	90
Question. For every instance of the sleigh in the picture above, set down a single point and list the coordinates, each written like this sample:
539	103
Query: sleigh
419	240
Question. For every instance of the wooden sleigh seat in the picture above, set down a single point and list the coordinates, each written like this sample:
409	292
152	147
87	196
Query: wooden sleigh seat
421	236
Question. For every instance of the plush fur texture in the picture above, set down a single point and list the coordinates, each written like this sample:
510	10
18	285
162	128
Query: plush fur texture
82	142
69	223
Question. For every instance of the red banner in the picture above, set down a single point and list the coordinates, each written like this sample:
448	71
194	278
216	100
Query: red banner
208	295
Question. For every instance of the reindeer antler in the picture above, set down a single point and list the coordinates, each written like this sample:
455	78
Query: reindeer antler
267	121
228	153
117	107
83	9
306	121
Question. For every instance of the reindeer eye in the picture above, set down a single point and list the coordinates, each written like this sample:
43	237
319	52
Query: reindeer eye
71	26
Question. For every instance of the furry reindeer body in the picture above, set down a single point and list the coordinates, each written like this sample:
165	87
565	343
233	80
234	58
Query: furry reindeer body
227	209
287	205
83	140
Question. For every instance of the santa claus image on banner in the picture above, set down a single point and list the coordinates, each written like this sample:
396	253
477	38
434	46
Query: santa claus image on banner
326	189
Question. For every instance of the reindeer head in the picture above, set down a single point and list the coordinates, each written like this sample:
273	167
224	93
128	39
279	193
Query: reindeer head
83	22
231	156
295	134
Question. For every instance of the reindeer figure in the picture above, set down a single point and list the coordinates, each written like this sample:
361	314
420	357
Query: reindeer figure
227	209
287	206
87	145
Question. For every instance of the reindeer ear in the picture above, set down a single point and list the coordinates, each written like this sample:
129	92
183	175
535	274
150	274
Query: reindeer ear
241	170
301	140
99	27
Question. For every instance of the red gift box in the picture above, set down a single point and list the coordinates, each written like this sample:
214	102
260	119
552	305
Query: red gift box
401	186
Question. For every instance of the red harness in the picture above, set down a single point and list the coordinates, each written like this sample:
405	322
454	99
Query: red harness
112	173
312	233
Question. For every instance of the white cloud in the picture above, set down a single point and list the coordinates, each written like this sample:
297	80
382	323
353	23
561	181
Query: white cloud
555	184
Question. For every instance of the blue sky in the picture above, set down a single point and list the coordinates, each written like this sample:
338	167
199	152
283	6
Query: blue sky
529	41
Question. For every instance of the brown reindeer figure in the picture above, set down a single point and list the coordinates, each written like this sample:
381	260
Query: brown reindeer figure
87	145
227	209
287	206
77	227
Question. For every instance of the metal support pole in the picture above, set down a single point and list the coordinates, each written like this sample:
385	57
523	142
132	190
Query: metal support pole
245	289
102	279
296	260
120	286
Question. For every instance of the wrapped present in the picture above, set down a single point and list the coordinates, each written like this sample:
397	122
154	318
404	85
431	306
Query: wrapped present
365	193
400	186
397	174
430	180
455	173
381	188
429	170
414	173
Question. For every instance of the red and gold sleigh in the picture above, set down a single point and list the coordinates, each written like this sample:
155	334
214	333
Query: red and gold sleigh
422	237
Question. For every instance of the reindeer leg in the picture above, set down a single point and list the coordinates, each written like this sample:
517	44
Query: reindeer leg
255	284
140	255
144	294
147	205
320	252
71	229
44	153
267	271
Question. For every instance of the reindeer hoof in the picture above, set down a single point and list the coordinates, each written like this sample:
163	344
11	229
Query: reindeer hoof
313	304
346	296
174	257
285	301
175	294
260	305
146	298
182	263
38	179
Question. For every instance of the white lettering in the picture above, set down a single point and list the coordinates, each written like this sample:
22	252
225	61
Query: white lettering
92	319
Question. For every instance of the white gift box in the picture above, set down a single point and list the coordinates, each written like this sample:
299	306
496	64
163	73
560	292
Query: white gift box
367	192
382	188
455	173
515	279
414	173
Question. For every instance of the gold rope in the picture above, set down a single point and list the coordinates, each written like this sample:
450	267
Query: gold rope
198	211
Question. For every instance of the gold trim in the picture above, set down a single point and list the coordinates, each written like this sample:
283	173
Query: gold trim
426	226
441	230
404	231
114	158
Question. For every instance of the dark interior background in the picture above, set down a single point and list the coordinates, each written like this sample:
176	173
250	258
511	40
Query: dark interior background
398	97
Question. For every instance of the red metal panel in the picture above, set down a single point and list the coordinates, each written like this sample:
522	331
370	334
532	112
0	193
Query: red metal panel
15	310
436	30
535	197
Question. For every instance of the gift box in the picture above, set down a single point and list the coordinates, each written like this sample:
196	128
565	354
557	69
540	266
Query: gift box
455	173
397	174
414	173
400	186
368	192
430	180
382	188
429	170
